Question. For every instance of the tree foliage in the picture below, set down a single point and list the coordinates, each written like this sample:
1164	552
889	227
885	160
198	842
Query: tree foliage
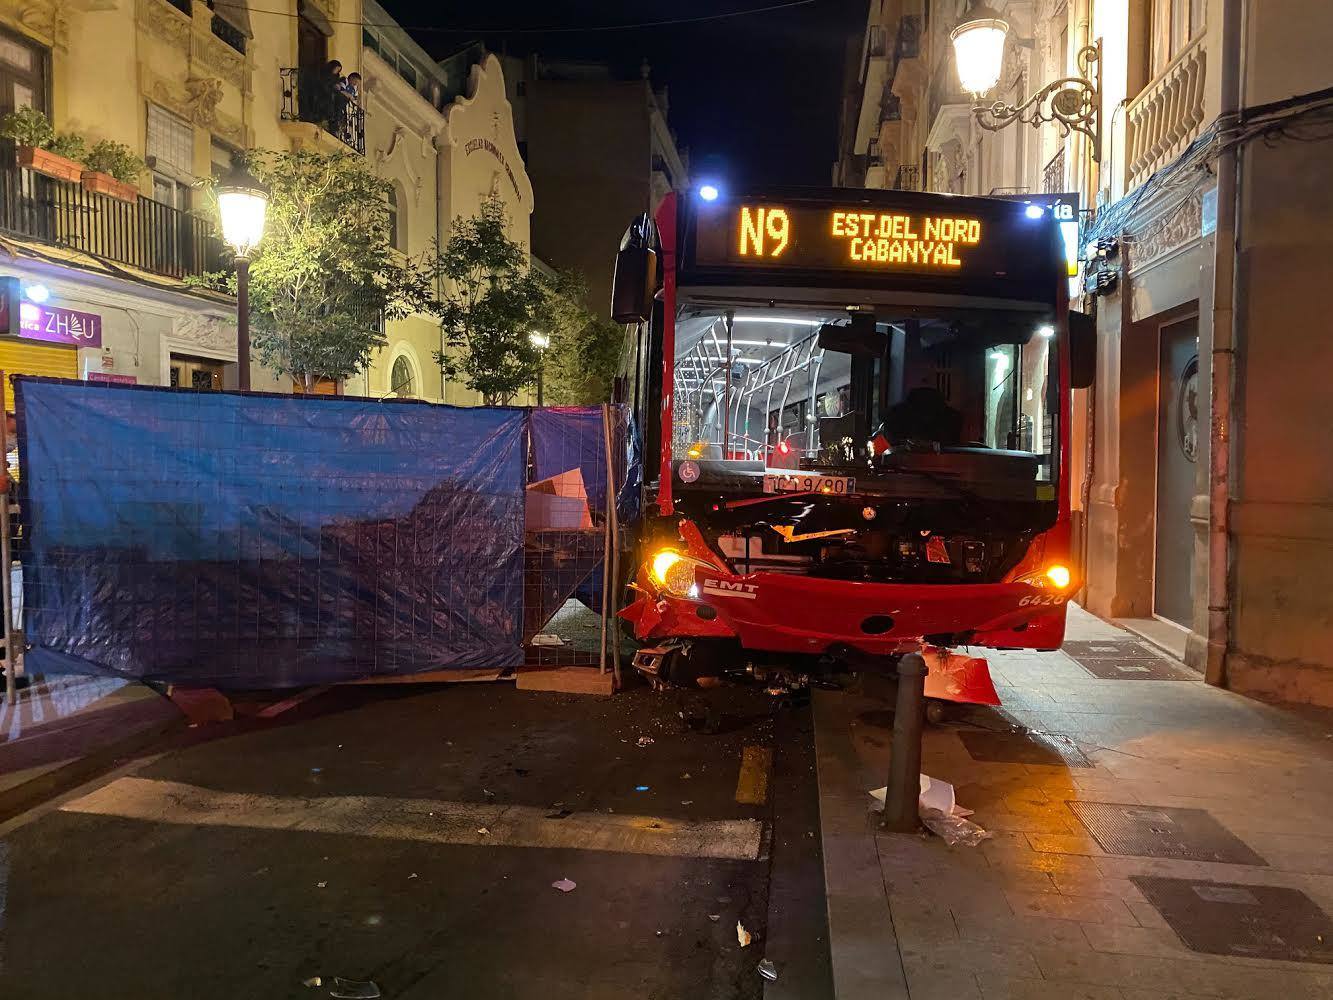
325	275
585	352
491	301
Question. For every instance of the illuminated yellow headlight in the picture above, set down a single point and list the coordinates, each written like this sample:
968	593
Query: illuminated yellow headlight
673	572
1059	576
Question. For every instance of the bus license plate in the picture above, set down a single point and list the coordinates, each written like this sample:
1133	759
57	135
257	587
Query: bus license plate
834	485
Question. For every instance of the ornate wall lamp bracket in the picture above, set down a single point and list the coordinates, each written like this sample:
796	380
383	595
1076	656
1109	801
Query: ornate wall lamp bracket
1072	102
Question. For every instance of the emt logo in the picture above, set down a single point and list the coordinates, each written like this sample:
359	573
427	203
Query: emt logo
726	588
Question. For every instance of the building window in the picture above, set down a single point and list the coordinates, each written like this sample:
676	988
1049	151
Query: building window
170	140
402	378
1174	24
170	153
22	75
221	157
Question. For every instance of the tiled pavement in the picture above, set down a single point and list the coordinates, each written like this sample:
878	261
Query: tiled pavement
1042	910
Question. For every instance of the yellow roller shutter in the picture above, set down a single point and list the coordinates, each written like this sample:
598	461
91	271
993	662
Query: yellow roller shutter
24	357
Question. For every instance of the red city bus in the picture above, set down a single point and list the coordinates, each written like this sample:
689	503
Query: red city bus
855	408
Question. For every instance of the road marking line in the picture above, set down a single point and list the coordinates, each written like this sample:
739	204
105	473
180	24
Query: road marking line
424	820
752	784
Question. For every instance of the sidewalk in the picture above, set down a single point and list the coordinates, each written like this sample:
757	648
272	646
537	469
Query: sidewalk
64	729
1153	837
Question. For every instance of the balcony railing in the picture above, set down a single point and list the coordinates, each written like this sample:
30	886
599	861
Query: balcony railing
229	33
1166	117
142	234
907	178
310	96
1053	174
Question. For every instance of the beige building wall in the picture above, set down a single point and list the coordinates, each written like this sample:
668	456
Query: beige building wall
1160	91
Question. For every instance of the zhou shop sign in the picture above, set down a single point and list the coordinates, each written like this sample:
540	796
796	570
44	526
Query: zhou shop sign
59	326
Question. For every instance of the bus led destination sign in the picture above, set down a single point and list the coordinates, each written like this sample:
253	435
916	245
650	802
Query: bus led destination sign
843	238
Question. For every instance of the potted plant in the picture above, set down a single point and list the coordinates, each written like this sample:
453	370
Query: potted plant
112	168
39	148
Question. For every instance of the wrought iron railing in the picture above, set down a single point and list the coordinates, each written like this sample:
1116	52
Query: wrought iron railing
229	33
142	234
1053	175
309	95
907	178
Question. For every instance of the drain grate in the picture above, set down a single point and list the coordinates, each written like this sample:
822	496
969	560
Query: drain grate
1021	748
1253	921
1162	832
1125	660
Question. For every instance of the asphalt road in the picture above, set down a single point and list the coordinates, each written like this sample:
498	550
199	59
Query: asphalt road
410	836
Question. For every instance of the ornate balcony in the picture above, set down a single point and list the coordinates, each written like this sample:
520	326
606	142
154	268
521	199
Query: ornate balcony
310	99
1166	117
142	234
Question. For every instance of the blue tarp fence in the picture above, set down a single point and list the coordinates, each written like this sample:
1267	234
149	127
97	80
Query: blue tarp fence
258	541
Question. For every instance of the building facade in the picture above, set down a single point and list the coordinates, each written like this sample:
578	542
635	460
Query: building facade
1203	516
443	136
600	153
187	85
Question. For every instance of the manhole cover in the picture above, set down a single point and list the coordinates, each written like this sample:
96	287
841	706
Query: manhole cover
1161	832
1125	660
1022	748
1132	670
1254	921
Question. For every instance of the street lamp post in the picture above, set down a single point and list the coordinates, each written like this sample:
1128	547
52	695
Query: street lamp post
1072	102
541	341
242	205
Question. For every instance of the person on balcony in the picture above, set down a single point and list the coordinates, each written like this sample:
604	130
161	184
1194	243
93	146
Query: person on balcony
349	90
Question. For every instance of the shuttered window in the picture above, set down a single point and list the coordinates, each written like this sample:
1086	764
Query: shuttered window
170	140
23	357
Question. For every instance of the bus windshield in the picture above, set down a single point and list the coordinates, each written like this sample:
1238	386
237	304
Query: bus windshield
799	394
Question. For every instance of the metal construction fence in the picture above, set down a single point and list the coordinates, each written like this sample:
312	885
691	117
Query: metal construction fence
258	541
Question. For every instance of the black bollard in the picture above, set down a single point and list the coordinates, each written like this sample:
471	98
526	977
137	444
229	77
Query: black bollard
901	814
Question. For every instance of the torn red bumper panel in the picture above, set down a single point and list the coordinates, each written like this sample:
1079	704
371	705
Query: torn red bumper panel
964	679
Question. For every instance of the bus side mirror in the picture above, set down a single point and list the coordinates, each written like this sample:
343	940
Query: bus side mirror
635	282
1082	350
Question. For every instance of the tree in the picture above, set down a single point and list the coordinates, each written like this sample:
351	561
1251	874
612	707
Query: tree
585	353
491	302
325	276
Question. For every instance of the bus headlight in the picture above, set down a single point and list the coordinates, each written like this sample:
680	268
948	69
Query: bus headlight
674	572
1059	576
1054	577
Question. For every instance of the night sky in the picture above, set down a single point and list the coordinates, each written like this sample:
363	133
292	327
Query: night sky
755	98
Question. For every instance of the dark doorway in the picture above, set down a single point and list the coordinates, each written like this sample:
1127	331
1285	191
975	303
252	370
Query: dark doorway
1177	457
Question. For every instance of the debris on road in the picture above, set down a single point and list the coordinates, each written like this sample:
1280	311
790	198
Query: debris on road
350	989
953	828
768	970
565	885
641	788
560	814
687	802
321	885
646	741
940	813
483	831
715	917
413	875
313	981
742	935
